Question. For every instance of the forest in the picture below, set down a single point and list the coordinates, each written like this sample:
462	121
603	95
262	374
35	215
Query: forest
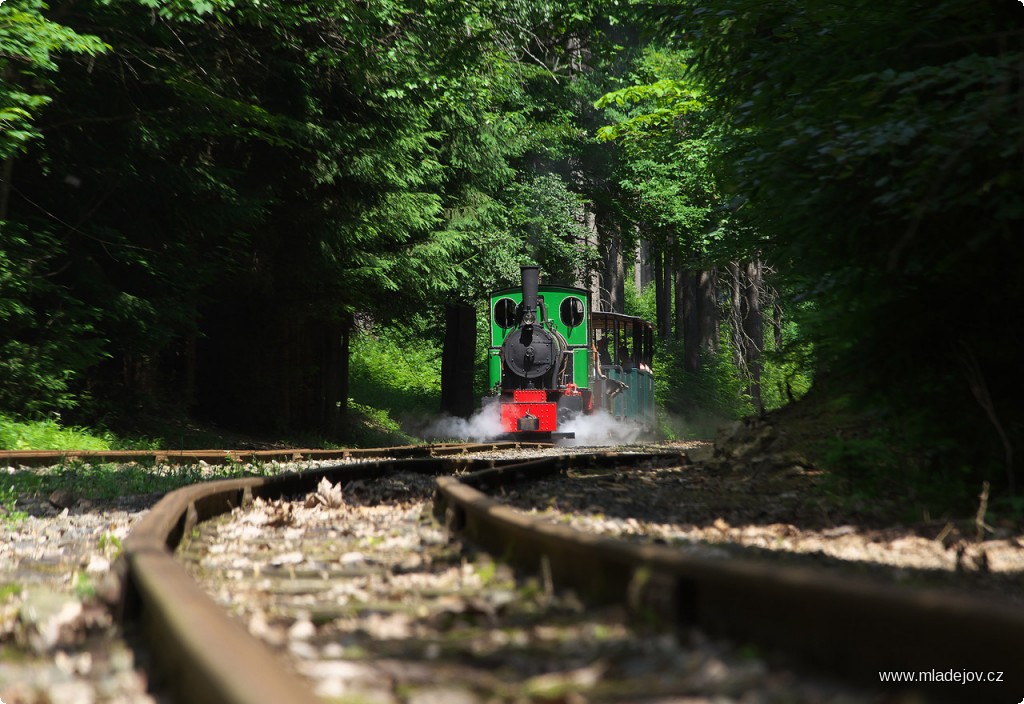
259	213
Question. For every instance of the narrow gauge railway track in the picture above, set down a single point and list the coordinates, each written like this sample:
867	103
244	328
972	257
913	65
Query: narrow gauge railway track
46	458
847	625
200	654
835	623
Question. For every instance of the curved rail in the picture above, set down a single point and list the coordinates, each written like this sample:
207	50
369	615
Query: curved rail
201	654
852	626
848	625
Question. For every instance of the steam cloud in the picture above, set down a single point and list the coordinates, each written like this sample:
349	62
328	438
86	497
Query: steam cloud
599	429
483	425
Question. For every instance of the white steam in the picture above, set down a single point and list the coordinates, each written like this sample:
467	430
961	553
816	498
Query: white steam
601	428
483	425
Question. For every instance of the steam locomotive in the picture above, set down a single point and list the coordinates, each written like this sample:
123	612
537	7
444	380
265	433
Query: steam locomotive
552	359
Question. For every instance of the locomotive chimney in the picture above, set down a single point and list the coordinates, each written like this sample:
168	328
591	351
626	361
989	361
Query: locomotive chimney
531	278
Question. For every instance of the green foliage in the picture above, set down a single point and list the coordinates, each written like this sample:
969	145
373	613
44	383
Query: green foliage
883	460
39	317
224	184
49	435
700	400
300	161
787	371
397	372
670	102
641	305
373	427
8	514
667	142
876	147
29	44
110	545
1011	507
546	222
9	590
84	587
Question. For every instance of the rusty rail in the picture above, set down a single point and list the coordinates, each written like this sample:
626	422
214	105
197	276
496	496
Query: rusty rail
846	625
853	627
199	652
38	458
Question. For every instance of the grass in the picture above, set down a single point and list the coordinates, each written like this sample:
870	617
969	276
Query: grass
49	435
110	481
374	427
400	377
387	381
366	427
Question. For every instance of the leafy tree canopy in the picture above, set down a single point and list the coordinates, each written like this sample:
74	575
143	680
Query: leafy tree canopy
877	147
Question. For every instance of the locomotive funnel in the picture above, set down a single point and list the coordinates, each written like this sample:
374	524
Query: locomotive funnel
531	279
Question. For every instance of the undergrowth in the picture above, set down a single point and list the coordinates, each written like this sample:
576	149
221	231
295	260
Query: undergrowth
872	456
694	404
50	434
8	506
395	379
373	427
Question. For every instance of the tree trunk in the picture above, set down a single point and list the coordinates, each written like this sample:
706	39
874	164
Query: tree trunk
688	317
457	360
638	268
736	317
753	328
663	295
680	279
646	266
614	283
592	278
707	309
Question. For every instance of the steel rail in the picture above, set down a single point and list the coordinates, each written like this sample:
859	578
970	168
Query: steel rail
38	458
202	655
851	626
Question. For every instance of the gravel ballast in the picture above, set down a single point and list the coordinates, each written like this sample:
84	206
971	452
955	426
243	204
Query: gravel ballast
363	593
59	643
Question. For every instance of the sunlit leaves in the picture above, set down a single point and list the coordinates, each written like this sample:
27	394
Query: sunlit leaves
667	143
879	151
29	44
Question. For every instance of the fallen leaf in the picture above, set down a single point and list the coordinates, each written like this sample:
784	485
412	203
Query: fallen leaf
327	494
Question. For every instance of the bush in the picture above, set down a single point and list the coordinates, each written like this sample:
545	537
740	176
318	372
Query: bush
786	374
397	371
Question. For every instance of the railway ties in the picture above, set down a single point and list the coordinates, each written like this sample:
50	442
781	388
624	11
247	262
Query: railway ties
367	595
46	458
